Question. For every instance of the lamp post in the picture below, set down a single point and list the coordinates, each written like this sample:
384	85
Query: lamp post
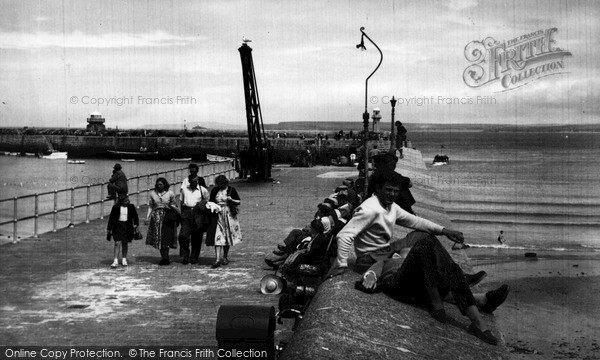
392	140
366	113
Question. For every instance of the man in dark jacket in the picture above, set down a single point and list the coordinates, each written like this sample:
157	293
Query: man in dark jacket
117	184
388	162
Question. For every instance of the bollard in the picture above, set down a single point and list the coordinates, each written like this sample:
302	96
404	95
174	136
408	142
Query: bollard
243	328
35	219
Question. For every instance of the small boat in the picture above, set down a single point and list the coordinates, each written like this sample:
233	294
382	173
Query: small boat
132	154
210	157
128	160
439	160
75	161
181	159
56	155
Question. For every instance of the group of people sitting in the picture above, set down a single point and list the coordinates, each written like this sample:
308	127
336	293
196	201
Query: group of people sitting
312	244
415	269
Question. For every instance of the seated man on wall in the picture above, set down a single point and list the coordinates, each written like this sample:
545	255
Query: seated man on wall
430	267
117	184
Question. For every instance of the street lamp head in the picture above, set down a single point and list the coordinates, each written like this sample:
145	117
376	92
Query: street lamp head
361	46
393	101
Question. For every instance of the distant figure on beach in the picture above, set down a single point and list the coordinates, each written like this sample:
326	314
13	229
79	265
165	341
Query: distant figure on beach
193	222
117	184
224	230
428	271
122	224
162	219
501	237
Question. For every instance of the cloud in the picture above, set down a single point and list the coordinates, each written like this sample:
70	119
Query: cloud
78	39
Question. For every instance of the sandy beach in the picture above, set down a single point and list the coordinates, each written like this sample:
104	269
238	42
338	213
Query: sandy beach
552	310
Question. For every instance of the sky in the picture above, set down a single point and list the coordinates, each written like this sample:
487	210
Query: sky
149	63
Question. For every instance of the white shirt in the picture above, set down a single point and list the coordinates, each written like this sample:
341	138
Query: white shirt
371	228
191	198
123	213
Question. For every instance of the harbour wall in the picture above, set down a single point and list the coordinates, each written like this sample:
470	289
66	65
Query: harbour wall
284	150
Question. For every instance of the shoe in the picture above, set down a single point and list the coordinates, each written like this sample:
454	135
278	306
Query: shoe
474	279
124	262
186	260
114	264
495	298
164	262
281	247
225	261
271	264
194	261
279	252
439	315
486	336
216	265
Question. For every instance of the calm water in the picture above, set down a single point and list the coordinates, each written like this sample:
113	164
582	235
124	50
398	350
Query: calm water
542	189
30	175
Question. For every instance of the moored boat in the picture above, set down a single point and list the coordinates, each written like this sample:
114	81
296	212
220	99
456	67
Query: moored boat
132	154
56	155
75	161
439	160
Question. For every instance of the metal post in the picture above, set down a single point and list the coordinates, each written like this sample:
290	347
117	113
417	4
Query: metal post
366	113
55	210
101	201
35	219
72	206
15	221
87	208
138	192
392	139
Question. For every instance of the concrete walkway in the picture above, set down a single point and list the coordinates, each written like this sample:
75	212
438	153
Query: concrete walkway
60	290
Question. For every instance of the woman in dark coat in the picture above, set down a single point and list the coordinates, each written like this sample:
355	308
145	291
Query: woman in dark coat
122	223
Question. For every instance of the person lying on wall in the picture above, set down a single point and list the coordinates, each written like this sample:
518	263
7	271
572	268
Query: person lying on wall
430	267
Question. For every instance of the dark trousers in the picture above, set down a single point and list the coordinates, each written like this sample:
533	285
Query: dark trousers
114	190
428	265
164	253
189	234
293	239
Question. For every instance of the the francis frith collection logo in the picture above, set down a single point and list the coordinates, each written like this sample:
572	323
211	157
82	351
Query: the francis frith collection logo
515	62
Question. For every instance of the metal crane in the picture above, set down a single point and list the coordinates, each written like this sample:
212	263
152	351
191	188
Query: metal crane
258	157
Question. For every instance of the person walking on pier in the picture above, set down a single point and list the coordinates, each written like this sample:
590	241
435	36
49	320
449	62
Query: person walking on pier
193	207
224	230
162	219
193	169
122	224
117	184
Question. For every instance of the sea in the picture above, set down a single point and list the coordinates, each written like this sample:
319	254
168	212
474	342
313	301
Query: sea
25	175
540	188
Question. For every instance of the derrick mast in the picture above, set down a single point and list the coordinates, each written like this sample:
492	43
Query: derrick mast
259	149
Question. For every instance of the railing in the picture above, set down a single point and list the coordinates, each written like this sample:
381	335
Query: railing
175	177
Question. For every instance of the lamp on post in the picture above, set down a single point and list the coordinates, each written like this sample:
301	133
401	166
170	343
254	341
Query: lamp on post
392	139
366	113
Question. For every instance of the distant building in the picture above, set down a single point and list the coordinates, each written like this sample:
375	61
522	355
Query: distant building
96	123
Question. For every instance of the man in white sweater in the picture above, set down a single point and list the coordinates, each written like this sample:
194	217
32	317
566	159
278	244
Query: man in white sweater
371	227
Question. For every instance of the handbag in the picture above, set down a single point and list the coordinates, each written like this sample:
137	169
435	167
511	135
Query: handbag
137	235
